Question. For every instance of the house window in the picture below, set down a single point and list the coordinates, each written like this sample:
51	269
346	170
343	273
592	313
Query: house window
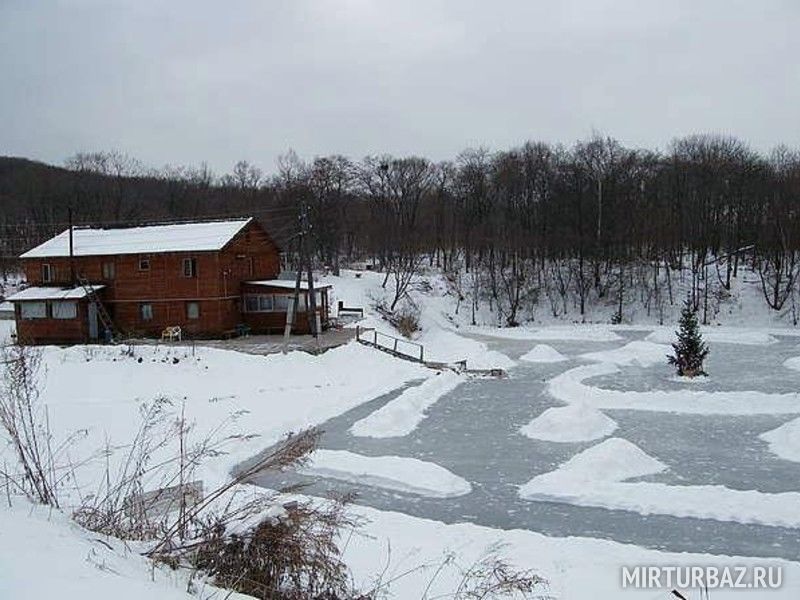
33	310
144	264
146	312
281	303
109	270
190	267
64	310
251	304
48	273
265	303
192	310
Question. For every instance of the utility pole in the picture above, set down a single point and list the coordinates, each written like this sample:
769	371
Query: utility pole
311	299
314	320
71	249
303	263
291	310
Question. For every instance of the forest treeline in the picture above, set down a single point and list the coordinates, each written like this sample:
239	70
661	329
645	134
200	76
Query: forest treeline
540	224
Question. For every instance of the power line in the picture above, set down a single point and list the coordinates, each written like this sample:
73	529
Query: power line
274	210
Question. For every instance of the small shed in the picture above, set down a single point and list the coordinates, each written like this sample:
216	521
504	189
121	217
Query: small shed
55	315
265	303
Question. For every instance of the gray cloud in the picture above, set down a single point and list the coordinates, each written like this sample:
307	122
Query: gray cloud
186	81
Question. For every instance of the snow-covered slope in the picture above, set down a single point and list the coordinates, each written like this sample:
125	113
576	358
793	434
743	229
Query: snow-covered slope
44	555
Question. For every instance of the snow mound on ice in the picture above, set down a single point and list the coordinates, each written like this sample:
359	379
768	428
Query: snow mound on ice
645	354
542	353
402	415
792	363
785	440
400	473
573	423
611	461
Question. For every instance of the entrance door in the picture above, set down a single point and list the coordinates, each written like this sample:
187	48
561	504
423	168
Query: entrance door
92	321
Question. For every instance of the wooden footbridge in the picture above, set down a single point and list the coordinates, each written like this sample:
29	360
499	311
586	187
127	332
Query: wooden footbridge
415	352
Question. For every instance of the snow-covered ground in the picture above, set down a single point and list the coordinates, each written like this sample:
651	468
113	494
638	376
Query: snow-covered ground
44	555
99	391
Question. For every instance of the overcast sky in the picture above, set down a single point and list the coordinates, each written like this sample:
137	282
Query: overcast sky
185	81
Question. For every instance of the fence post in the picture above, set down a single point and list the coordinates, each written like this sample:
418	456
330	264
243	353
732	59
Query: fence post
395	345
375	337
421	348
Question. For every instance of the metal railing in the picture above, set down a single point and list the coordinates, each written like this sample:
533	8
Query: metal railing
389	343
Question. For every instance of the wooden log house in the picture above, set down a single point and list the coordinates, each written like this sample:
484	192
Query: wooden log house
211	279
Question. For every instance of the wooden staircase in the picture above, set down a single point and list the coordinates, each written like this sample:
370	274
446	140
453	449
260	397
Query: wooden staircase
102	313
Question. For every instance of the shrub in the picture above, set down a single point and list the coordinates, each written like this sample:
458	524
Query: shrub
294	557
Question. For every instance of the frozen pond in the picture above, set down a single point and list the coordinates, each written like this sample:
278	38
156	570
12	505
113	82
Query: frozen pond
474	432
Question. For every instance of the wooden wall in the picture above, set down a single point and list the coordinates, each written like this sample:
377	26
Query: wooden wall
54	331
251	254
274	322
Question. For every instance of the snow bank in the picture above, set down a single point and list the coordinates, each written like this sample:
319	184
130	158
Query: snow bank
577	332
792	363
576	568
446	346
597	477
785	440
437	332
404	474
402	415
44	555
78	566
572	423
100	390
645	354
542	353
568	387
719	335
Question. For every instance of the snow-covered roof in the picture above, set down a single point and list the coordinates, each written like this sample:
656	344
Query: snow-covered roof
176	237
287	284
51	293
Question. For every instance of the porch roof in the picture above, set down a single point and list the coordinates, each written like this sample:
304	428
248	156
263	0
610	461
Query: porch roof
51	293
288	284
